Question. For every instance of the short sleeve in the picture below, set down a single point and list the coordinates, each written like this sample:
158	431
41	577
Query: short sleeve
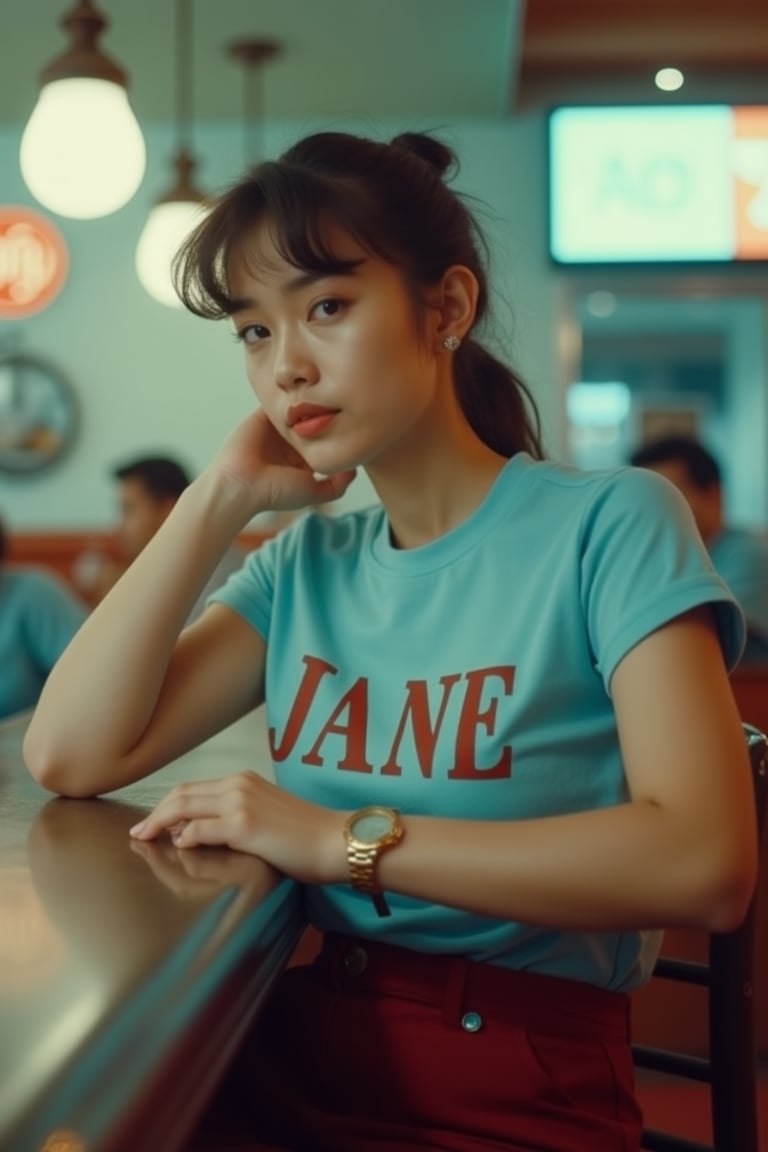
643	564
250	590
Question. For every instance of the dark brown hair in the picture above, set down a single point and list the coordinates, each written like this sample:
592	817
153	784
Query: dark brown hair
393	200
162	476
700	466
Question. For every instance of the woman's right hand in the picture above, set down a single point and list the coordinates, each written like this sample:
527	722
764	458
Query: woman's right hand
277	477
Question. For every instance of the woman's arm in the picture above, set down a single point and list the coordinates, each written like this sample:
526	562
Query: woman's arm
128	695
681	851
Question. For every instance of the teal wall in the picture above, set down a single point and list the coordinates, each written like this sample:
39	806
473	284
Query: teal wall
150	378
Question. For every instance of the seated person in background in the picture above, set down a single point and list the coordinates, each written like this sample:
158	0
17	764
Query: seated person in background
38	618
149	487
740	556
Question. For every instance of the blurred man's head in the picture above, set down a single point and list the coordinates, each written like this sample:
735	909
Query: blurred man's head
149	488
693	470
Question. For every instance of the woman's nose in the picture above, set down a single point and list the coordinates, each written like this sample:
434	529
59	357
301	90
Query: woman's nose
293	364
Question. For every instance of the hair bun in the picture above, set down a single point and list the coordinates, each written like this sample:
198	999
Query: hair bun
433	152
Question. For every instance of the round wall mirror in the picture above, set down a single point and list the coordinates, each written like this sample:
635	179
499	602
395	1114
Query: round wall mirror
38	414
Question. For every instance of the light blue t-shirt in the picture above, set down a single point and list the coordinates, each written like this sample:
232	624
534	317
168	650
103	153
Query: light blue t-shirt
38	618
471	677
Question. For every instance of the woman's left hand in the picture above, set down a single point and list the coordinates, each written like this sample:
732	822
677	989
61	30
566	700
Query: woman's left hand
250	814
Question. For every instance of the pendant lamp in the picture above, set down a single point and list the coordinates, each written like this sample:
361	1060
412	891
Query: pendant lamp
82	151
252	54
182	207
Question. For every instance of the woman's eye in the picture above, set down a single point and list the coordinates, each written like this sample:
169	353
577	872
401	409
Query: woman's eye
324	309
253	333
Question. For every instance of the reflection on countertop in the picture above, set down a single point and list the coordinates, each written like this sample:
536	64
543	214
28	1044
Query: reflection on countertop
112	951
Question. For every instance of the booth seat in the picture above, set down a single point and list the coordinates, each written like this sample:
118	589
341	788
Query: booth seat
63	552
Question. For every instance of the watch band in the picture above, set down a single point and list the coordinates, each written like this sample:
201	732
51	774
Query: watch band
362	856
362	860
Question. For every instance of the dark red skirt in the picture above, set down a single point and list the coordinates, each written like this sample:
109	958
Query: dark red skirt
374	1048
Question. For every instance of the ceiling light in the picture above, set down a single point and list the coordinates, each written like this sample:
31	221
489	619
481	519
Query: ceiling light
168	225
669	79
82	151
183	206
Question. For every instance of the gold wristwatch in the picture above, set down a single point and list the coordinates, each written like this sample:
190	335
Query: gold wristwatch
368	833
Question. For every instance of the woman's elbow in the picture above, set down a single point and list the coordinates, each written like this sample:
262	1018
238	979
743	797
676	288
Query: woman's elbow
728	895
40	764
51	769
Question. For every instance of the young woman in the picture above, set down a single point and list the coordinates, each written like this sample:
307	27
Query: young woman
519	667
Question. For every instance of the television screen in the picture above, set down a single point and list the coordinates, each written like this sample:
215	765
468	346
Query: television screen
658	184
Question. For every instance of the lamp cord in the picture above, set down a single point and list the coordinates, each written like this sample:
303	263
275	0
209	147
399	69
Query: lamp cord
253	54
253	127
184	49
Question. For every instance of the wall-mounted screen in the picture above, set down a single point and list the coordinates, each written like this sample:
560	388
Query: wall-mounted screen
658	184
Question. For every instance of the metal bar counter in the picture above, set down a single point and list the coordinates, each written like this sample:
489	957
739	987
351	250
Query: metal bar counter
129	972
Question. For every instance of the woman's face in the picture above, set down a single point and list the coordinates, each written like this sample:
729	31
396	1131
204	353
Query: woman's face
340	363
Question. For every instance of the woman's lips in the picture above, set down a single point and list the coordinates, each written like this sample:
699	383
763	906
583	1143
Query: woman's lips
313	425
308	420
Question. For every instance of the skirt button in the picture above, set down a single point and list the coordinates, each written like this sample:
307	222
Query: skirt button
356	961
471	1021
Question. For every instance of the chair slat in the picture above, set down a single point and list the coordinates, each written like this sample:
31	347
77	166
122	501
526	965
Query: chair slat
688	971
654	1141
673	1063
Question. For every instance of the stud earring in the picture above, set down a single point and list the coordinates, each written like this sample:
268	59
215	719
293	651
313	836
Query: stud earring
451	343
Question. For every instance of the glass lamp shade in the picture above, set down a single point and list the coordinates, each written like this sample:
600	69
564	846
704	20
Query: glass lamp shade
168	224
82	151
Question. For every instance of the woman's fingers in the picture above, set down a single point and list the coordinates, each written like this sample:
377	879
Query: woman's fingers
206	819
171	815
186	802
251	815
211	830
228	798
332	487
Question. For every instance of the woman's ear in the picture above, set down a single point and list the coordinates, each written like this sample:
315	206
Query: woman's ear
455	301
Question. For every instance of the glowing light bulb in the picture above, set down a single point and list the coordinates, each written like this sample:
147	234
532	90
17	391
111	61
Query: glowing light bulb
669	79
168	224
82	151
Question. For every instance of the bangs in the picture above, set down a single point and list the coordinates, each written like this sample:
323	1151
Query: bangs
299	207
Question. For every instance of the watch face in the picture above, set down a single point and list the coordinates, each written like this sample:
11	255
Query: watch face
371	827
